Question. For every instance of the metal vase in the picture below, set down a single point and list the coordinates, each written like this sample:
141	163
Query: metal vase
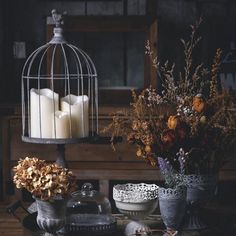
51	215
200	188
172	203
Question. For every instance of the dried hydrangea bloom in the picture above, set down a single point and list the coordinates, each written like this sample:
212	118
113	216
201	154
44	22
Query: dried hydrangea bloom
43	180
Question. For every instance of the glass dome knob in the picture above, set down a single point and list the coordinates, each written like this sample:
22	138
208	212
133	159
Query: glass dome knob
87	189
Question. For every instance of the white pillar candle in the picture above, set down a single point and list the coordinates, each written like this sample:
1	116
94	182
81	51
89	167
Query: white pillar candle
43	104
61	128
78	110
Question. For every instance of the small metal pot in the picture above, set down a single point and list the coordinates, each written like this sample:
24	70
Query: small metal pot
172	206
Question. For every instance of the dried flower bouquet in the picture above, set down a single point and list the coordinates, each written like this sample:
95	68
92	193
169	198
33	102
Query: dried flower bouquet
191	115
45	181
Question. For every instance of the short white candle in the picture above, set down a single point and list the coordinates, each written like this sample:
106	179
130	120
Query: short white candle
43	104
78	109
61	128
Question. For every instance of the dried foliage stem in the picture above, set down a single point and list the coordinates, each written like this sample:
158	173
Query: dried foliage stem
214	73
190	126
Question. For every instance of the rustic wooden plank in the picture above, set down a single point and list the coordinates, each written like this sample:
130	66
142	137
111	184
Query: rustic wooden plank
141	175
126	171
88	161
133	167
227	175
99	165
13	111
80	152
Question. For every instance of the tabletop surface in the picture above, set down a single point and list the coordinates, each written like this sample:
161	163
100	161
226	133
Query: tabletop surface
221	221
156	225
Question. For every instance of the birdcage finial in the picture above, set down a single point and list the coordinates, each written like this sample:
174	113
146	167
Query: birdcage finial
58	37
57	18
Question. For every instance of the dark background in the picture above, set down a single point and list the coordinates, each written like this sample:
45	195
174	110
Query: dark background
25	20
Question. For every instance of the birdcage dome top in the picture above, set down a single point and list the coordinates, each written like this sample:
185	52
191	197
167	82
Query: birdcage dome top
58	58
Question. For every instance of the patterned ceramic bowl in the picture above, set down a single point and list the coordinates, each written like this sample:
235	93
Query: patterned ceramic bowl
136	200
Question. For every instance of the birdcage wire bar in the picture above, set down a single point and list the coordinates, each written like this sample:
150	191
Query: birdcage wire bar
63	71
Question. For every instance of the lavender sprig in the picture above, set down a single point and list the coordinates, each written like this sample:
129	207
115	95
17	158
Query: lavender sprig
163	165
172	177
182	156
167	172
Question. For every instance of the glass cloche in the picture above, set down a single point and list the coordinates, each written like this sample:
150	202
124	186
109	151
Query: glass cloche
88	201
89	213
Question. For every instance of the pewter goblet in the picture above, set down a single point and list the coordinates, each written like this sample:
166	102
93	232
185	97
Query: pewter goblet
136	201
200	188
51	215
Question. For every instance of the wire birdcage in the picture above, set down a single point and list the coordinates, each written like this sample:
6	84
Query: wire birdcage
59	93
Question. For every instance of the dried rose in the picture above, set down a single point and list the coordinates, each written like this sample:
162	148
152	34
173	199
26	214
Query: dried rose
198	103
148	149
147	139
145	125
182	130
136	125
139	153
168	137
151	159
172	122
132	137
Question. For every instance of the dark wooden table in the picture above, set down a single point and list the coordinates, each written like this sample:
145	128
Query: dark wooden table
154	221
222	222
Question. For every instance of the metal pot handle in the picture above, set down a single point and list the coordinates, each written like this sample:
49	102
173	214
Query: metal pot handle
13	207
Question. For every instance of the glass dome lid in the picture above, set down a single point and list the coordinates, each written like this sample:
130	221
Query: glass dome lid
89	213
88	201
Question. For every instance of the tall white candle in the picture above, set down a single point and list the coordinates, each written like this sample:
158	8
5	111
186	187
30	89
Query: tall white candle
78	110
61	128
43	103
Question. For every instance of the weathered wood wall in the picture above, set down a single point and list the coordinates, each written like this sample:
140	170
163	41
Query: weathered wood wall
26	21
96	162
